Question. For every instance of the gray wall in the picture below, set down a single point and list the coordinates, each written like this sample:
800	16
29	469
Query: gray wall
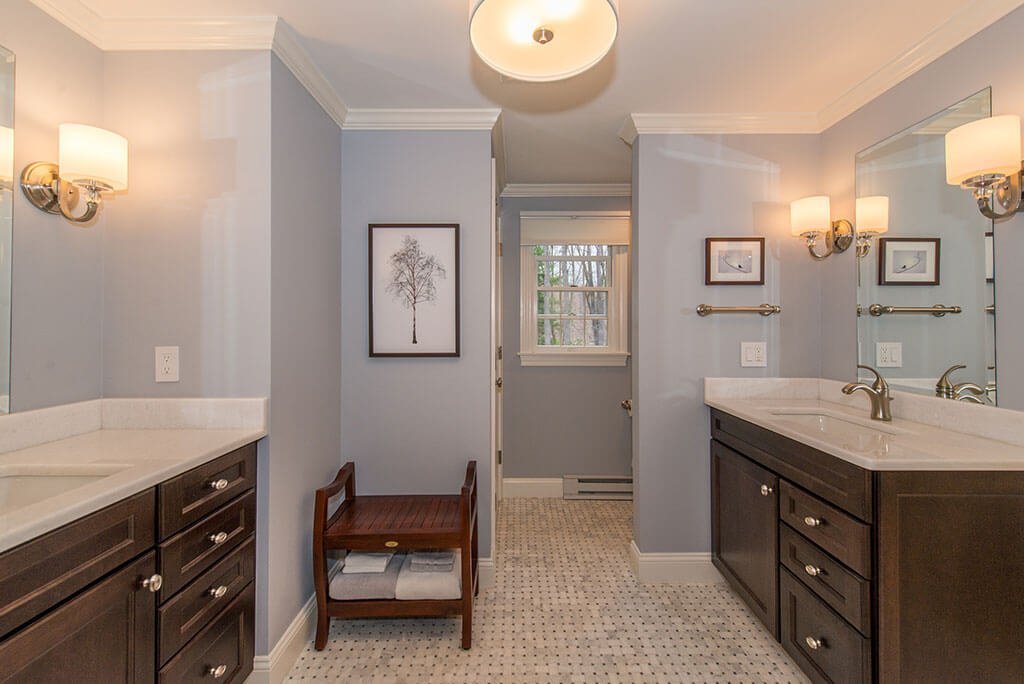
558	420
305	378
57	266
978	62
686	188
410	425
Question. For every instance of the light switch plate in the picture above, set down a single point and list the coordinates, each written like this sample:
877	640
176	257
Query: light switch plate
889	354
753	354
166	364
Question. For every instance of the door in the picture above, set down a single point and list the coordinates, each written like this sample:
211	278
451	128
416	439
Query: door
106	635
745	530
498	348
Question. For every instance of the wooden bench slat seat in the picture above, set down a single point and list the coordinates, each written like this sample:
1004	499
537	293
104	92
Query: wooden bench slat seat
396	523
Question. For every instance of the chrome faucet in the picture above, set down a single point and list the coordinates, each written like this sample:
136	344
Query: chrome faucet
878	393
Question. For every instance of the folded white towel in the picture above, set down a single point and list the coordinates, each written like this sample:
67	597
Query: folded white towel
431	568
429	585
367	585
362	561
423	559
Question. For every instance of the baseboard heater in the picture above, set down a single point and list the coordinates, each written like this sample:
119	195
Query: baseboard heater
597	487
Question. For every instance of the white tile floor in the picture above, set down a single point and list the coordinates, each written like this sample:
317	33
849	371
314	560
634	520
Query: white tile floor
565	608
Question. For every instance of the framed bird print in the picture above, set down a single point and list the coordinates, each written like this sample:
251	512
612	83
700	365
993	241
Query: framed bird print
908	261
414	289
734	261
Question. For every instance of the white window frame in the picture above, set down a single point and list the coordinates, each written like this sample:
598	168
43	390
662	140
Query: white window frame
616	353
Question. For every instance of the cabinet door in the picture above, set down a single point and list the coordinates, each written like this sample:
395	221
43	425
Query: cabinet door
104	635
745	530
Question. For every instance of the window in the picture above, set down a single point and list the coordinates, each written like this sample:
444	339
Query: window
574	288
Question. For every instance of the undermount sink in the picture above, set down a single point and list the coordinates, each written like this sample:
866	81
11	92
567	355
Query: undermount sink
846	431
23	485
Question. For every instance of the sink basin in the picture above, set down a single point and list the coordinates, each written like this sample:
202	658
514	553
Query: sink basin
23	485
845	431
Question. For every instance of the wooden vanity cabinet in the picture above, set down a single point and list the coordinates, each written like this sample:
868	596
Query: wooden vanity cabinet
888	577
79	604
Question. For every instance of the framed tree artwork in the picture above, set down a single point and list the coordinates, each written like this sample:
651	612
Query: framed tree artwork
414	289
734	261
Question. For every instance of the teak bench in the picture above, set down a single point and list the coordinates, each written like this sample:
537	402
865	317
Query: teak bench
395	523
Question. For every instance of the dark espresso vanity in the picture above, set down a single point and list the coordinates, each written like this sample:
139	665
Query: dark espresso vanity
871	576
157	587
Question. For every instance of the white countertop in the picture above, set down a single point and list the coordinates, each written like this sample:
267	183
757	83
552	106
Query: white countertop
142	458
789	407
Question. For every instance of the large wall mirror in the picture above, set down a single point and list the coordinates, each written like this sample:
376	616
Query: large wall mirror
6	220
926	290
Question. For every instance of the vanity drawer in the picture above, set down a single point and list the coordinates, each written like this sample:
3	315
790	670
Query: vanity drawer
188	554
226	643
182	617
827	649
848	594
43	572
188	497
846	538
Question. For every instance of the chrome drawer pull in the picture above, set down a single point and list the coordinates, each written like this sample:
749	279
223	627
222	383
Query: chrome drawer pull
814	644
219	538
813	571
218	592
766	490
812	521
217	672
217	484
153	583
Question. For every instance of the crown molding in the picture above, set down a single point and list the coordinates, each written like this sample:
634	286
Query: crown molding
567	190
775	123
289	49
421	119
961	26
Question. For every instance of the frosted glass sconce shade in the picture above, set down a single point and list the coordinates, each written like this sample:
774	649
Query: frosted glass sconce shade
810	215
542	40
986	147
90	155
873	214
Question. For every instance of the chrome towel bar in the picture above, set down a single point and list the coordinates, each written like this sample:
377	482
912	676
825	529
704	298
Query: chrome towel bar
939	310
764	309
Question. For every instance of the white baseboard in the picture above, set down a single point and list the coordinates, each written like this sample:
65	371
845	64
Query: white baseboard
485	566
532	487
678	568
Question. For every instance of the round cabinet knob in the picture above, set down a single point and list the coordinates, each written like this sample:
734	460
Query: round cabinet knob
217	672
814	644
219	538
811	521
766	490
153	583
218	484
813	571
218	592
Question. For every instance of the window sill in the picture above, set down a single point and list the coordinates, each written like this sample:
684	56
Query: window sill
573	358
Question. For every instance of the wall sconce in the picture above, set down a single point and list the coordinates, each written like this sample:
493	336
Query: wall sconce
985	156
90	159
872	221
811	219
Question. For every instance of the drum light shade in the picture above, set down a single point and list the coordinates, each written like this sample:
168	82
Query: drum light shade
873	214
93	155
810	215
542	40
986	147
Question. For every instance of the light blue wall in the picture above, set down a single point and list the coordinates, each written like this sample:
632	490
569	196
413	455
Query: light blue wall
411	425
558	420
686	188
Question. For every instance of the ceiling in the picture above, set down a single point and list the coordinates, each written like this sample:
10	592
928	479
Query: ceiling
672	56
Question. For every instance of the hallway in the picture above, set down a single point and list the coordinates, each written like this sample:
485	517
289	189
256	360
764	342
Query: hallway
565	608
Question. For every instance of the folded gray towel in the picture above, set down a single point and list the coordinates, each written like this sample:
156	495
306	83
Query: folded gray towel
368	585
363	561
429	585
431	568
442	558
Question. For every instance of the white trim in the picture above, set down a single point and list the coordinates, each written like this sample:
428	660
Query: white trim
288	47
678	568
273	668
421	119
573	358
777	123
972	19
567	190
532	487
485	566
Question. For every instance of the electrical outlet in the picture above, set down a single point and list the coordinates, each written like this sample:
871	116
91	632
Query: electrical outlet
753	354
166	364
889	354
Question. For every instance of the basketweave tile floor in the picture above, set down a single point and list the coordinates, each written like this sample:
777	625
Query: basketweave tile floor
565	608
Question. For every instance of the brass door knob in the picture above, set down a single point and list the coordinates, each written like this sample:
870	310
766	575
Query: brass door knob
217	484
766	490
814	644
218	592
216	672
218	538
811	521
153	583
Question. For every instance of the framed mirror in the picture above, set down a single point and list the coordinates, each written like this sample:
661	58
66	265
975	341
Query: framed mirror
7	182
926	281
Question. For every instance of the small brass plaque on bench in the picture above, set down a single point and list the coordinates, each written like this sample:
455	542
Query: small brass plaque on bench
391	544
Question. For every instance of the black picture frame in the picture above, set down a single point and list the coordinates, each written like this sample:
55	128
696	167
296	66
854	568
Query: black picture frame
750	254
896	270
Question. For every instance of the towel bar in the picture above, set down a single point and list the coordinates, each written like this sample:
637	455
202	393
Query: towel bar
764	309
939	310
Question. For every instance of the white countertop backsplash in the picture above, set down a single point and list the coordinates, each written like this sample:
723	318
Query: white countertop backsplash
149	440
927	433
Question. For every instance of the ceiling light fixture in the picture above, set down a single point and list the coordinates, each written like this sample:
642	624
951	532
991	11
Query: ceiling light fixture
542	40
